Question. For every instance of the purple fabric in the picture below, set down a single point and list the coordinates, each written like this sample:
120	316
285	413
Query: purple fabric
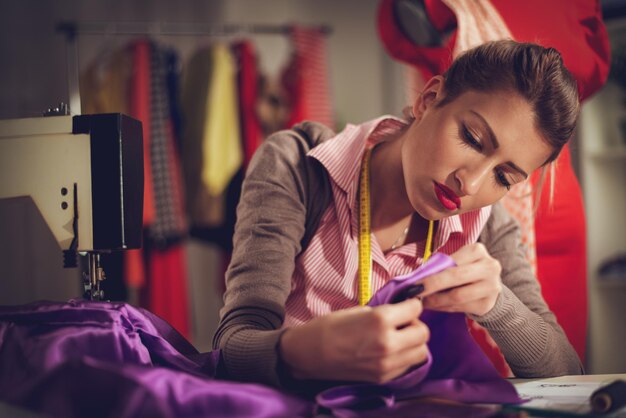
99	359
102	359
456	368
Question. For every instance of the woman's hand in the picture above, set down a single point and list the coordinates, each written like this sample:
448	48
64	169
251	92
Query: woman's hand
358	344
471	287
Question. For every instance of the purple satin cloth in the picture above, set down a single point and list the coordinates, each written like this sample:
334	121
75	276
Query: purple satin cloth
456	368
98	359
102	359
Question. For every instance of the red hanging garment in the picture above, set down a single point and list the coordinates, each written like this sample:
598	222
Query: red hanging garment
139	107
139	98
306	78
167	279
167	292
247	79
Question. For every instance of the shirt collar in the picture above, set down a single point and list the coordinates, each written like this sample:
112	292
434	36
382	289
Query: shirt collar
341	156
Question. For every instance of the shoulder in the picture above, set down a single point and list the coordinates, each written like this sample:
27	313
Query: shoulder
282	163
290	146
501	231
499	218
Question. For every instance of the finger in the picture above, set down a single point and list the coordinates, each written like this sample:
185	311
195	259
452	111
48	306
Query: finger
399	364
413	335
385	368
402	313
470	253
394	342
478	307
476	298
452	277
463	294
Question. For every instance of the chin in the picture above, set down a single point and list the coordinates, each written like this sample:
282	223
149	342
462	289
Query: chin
432	214
428	207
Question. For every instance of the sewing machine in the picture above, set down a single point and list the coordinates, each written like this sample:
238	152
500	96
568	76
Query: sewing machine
85	175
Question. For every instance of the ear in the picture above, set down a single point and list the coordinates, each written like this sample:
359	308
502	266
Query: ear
432	91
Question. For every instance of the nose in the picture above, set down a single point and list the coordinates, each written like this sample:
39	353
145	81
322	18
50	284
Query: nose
471	179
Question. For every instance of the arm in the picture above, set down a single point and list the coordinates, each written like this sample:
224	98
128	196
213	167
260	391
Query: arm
361	343
270	225
493	284
520	322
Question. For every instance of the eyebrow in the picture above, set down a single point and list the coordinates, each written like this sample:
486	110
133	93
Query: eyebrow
495	143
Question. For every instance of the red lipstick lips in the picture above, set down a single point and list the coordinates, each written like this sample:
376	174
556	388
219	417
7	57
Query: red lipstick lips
447	197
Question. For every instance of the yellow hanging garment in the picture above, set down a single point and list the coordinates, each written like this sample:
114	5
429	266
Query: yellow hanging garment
221	145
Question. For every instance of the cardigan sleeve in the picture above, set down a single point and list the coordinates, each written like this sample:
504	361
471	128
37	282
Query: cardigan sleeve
521	323
271	222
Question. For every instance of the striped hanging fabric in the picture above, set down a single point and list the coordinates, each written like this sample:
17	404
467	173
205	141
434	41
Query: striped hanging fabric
306	78
166	292
169	223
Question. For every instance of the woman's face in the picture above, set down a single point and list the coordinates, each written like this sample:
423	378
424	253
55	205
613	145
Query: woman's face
468	153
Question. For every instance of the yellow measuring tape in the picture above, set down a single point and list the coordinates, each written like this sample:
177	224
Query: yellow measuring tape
365	236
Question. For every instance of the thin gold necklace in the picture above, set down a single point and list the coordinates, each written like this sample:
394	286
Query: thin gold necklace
401	237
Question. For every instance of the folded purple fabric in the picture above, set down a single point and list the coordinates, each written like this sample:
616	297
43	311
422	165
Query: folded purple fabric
102	359
456	368
98	359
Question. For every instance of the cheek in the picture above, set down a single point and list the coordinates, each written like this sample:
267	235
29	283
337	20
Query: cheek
439	153
435	153
489	194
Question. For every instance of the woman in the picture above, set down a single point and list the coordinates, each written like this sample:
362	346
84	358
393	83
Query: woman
501	111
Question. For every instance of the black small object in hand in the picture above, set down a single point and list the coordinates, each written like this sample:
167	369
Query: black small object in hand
409	292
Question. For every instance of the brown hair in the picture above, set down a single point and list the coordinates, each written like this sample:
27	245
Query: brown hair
536	73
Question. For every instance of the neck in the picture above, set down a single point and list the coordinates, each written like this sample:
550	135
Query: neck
388	199
390	209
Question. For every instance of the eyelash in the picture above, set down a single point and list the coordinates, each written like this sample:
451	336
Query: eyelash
469	139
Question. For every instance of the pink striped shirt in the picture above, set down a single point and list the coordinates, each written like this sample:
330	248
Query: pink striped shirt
326	273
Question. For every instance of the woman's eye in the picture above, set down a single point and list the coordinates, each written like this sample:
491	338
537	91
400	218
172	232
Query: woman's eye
471	140
502	180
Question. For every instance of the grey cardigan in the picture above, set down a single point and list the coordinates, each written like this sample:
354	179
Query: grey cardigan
283	197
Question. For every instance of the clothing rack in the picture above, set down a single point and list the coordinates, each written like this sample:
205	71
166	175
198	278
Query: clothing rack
72	30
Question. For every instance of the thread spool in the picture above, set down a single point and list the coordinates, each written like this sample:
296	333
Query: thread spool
609	398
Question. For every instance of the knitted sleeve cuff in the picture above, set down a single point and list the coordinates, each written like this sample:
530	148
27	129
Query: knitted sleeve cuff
252	356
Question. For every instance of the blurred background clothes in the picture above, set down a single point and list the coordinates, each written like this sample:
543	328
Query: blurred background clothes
203	118
306	79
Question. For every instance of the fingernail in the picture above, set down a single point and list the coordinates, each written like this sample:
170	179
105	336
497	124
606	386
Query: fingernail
414	290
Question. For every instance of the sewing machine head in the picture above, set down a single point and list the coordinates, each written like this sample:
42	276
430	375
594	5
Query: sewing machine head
85	175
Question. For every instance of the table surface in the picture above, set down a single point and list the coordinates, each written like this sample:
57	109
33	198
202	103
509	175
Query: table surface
562	395
584	378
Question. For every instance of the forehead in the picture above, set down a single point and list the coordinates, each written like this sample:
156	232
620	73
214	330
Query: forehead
513	122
